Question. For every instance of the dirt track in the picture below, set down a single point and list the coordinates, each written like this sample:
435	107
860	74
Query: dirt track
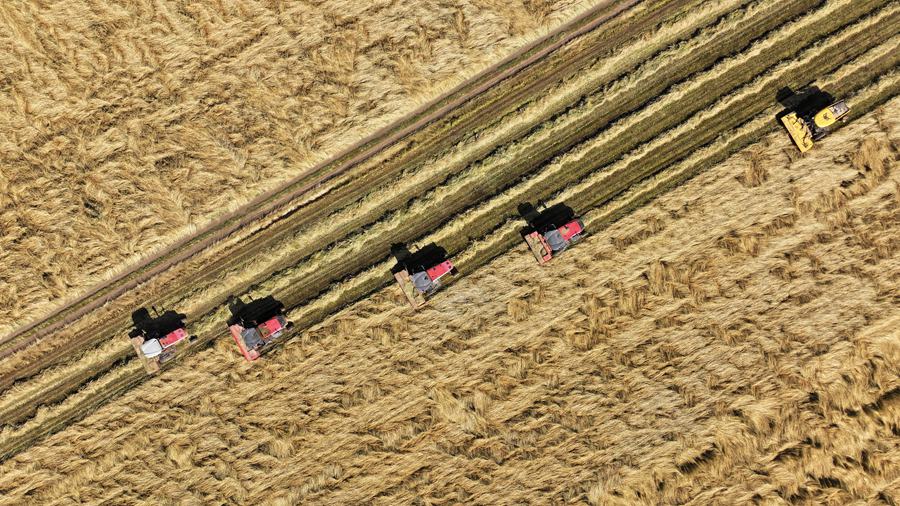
734	341
583	138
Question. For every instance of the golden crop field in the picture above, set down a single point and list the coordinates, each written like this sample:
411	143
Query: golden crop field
128	124
726	334
734	341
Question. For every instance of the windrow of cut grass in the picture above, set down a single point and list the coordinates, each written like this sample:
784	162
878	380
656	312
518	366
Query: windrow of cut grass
54	384
346	188
75	406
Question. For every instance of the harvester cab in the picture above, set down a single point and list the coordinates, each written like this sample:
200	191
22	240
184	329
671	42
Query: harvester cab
256	324
158	339
550	231
420	274
810	115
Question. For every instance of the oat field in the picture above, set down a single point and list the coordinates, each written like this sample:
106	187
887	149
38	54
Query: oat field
727	333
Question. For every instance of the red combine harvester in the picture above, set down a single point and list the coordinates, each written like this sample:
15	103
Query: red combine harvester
551	231
420	274
257	324
158	339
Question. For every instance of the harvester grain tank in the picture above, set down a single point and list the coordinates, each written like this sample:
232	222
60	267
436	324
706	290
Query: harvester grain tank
255	325
812	114
420	274
160	338
550	231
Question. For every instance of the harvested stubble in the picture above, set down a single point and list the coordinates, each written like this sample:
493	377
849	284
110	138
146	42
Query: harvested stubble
126	125
729	343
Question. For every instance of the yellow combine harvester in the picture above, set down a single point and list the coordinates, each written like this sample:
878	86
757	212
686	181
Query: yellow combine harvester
812	116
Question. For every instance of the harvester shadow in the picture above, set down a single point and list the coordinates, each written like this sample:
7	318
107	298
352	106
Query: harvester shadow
805	102
425	257
154	327
254	312
544	220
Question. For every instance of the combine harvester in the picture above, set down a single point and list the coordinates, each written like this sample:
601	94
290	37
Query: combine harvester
551	231
158	339
257	324
419	274
811	115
